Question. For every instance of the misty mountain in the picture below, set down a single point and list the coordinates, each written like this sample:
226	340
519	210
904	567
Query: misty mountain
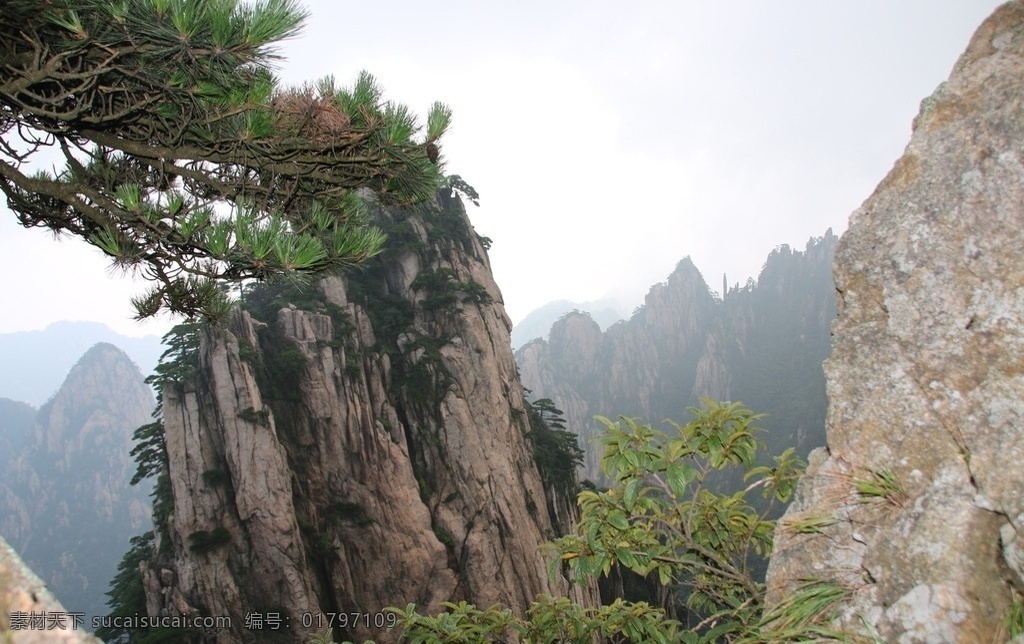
15	424
537	324
66	505
762	344
36	362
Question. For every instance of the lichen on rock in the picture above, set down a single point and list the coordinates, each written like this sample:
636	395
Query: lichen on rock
926	377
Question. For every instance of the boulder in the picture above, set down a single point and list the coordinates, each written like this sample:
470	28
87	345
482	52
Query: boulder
921	483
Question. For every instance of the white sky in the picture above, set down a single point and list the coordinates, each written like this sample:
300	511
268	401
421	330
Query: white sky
608	140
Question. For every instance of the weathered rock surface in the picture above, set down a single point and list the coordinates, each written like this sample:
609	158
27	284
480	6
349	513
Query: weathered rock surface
926	378
368	452
23	598
65	500
763	344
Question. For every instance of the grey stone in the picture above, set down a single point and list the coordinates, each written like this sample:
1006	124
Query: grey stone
926	378
23	593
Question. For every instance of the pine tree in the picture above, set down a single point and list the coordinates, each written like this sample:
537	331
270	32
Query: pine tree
183	157
557	450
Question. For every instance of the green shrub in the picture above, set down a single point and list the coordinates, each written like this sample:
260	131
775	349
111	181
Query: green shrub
660	518
216	477
202	541
556	450
444	536
261	417
348	511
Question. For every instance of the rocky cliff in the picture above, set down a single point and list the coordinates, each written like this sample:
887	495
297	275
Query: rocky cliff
358	448
920	489
65	502
762	344
22	596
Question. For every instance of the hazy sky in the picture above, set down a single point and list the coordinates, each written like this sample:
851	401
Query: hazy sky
607	140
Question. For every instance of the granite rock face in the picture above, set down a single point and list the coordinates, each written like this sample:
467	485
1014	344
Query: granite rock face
22	595
922	477
366	451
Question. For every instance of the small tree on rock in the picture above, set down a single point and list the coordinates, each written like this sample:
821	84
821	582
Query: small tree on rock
660	517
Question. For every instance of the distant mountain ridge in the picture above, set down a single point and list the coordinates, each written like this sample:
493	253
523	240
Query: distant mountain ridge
36	362
66	505
762	344
537	323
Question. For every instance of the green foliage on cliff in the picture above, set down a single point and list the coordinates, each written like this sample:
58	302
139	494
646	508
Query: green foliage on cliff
127	600
127	596
202	541
263	300
164	112
181	359
347	511
445	291
284	370
1013	620
659	518
556	450
177	364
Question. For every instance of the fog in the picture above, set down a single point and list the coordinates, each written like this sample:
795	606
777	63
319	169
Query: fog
607	142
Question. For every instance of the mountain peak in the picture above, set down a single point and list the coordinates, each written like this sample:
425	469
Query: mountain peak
67	474
37	362
103	355
104	382
103	370
763	344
